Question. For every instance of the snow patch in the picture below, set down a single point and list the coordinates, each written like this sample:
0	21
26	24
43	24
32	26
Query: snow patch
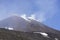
43	34
9	28
56	39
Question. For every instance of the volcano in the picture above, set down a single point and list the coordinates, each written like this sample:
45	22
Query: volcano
20	24
18	28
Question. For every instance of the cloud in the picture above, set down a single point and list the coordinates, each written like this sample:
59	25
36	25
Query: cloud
40	10
48	8
24	16
28	18
33	17
39	18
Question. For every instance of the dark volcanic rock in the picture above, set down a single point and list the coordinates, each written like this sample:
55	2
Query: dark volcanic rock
18	35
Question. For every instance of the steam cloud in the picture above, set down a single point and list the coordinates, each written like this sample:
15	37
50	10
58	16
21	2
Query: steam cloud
32	17
40	10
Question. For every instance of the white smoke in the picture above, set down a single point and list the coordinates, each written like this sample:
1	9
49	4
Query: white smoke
33	17
24	16
41	9
48	8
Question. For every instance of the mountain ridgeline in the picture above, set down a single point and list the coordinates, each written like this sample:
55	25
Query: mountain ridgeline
19	25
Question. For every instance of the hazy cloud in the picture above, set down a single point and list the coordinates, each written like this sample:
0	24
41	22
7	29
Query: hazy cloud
24	16
48	8
42	9
35	9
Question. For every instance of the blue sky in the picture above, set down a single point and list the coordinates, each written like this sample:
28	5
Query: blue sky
46	11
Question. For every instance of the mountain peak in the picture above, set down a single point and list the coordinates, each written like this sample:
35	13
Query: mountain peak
20	24
14	17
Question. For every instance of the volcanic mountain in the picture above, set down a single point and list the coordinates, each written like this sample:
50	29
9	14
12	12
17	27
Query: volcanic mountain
20	24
